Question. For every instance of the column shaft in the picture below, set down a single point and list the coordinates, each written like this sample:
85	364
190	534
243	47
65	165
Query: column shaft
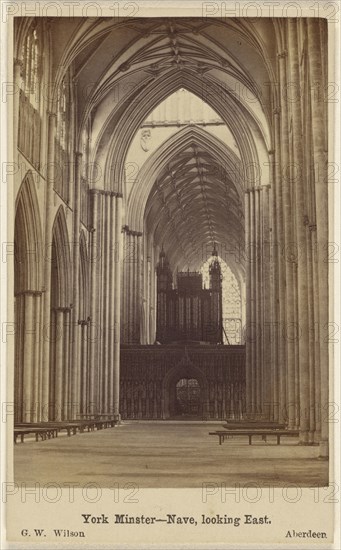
301	214
70	409
248	344
59	364
94	328
75	327
321	194
28	358
288	381
278	249
113	260
47	264
117	309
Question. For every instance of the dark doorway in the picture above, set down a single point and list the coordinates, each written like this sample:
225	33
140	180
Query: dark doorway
188	398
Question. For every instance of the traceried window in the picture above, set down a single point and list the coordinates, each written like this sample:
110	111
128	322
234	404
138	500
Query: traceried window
31	58
232	303
84	176
29	127
62	159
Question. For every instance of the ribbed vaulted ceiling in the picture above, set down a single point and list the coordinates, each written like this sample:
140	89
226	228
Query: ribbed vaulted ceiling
192	205
124	68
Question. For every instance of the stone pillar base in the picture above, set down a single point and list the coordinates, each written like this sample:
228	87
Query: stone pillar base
324	449
117	418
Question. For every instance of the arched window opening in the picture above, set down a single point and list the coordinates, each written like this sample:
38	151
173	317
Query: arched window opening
29	127
62	141
231	301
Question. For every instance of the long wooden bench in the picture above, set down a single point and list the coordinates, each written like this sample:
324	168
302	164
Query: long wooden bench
46	430
57	426
39	432
229	434
253	425
106	419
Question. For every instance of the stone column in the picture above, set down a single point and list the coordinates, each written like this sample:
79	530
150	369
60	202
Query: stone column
19	352
131	270
301	214
75	328
271	334
68	408
321	194
266	300
47	260
106	301
138	298
125	289
313	437
28	365
37	357
101	299
315	331
83	366
117	309
248	344
257	297
58	381
94	328
278	249
287	329
253	329
113	261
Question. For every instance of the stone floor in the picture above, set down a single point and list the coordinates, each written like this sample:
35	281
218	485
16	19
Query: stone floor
166	454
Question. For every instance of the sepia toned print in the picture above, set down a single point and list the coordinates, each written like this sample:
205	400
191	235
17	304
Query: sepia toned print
171	261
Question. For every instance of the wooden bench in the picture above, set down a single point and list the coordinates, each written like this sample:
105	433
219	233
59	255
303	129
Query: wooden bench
254	425
54	427
250	433
43	433
101	420
46	430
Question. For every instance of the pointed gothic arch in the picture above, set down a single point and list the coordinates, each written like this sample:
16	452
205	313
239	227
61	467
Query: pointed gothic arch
184	369
61	262
161	157
60	321
28	290
27	238
121	126
83	278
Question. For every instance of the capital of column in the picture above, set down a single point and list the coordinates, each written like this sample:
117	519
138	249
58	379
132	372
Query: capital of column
126	229
312	227
18	62
271	151
84	322
105	192
29	293
51	114
62	309
277	111
282	54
